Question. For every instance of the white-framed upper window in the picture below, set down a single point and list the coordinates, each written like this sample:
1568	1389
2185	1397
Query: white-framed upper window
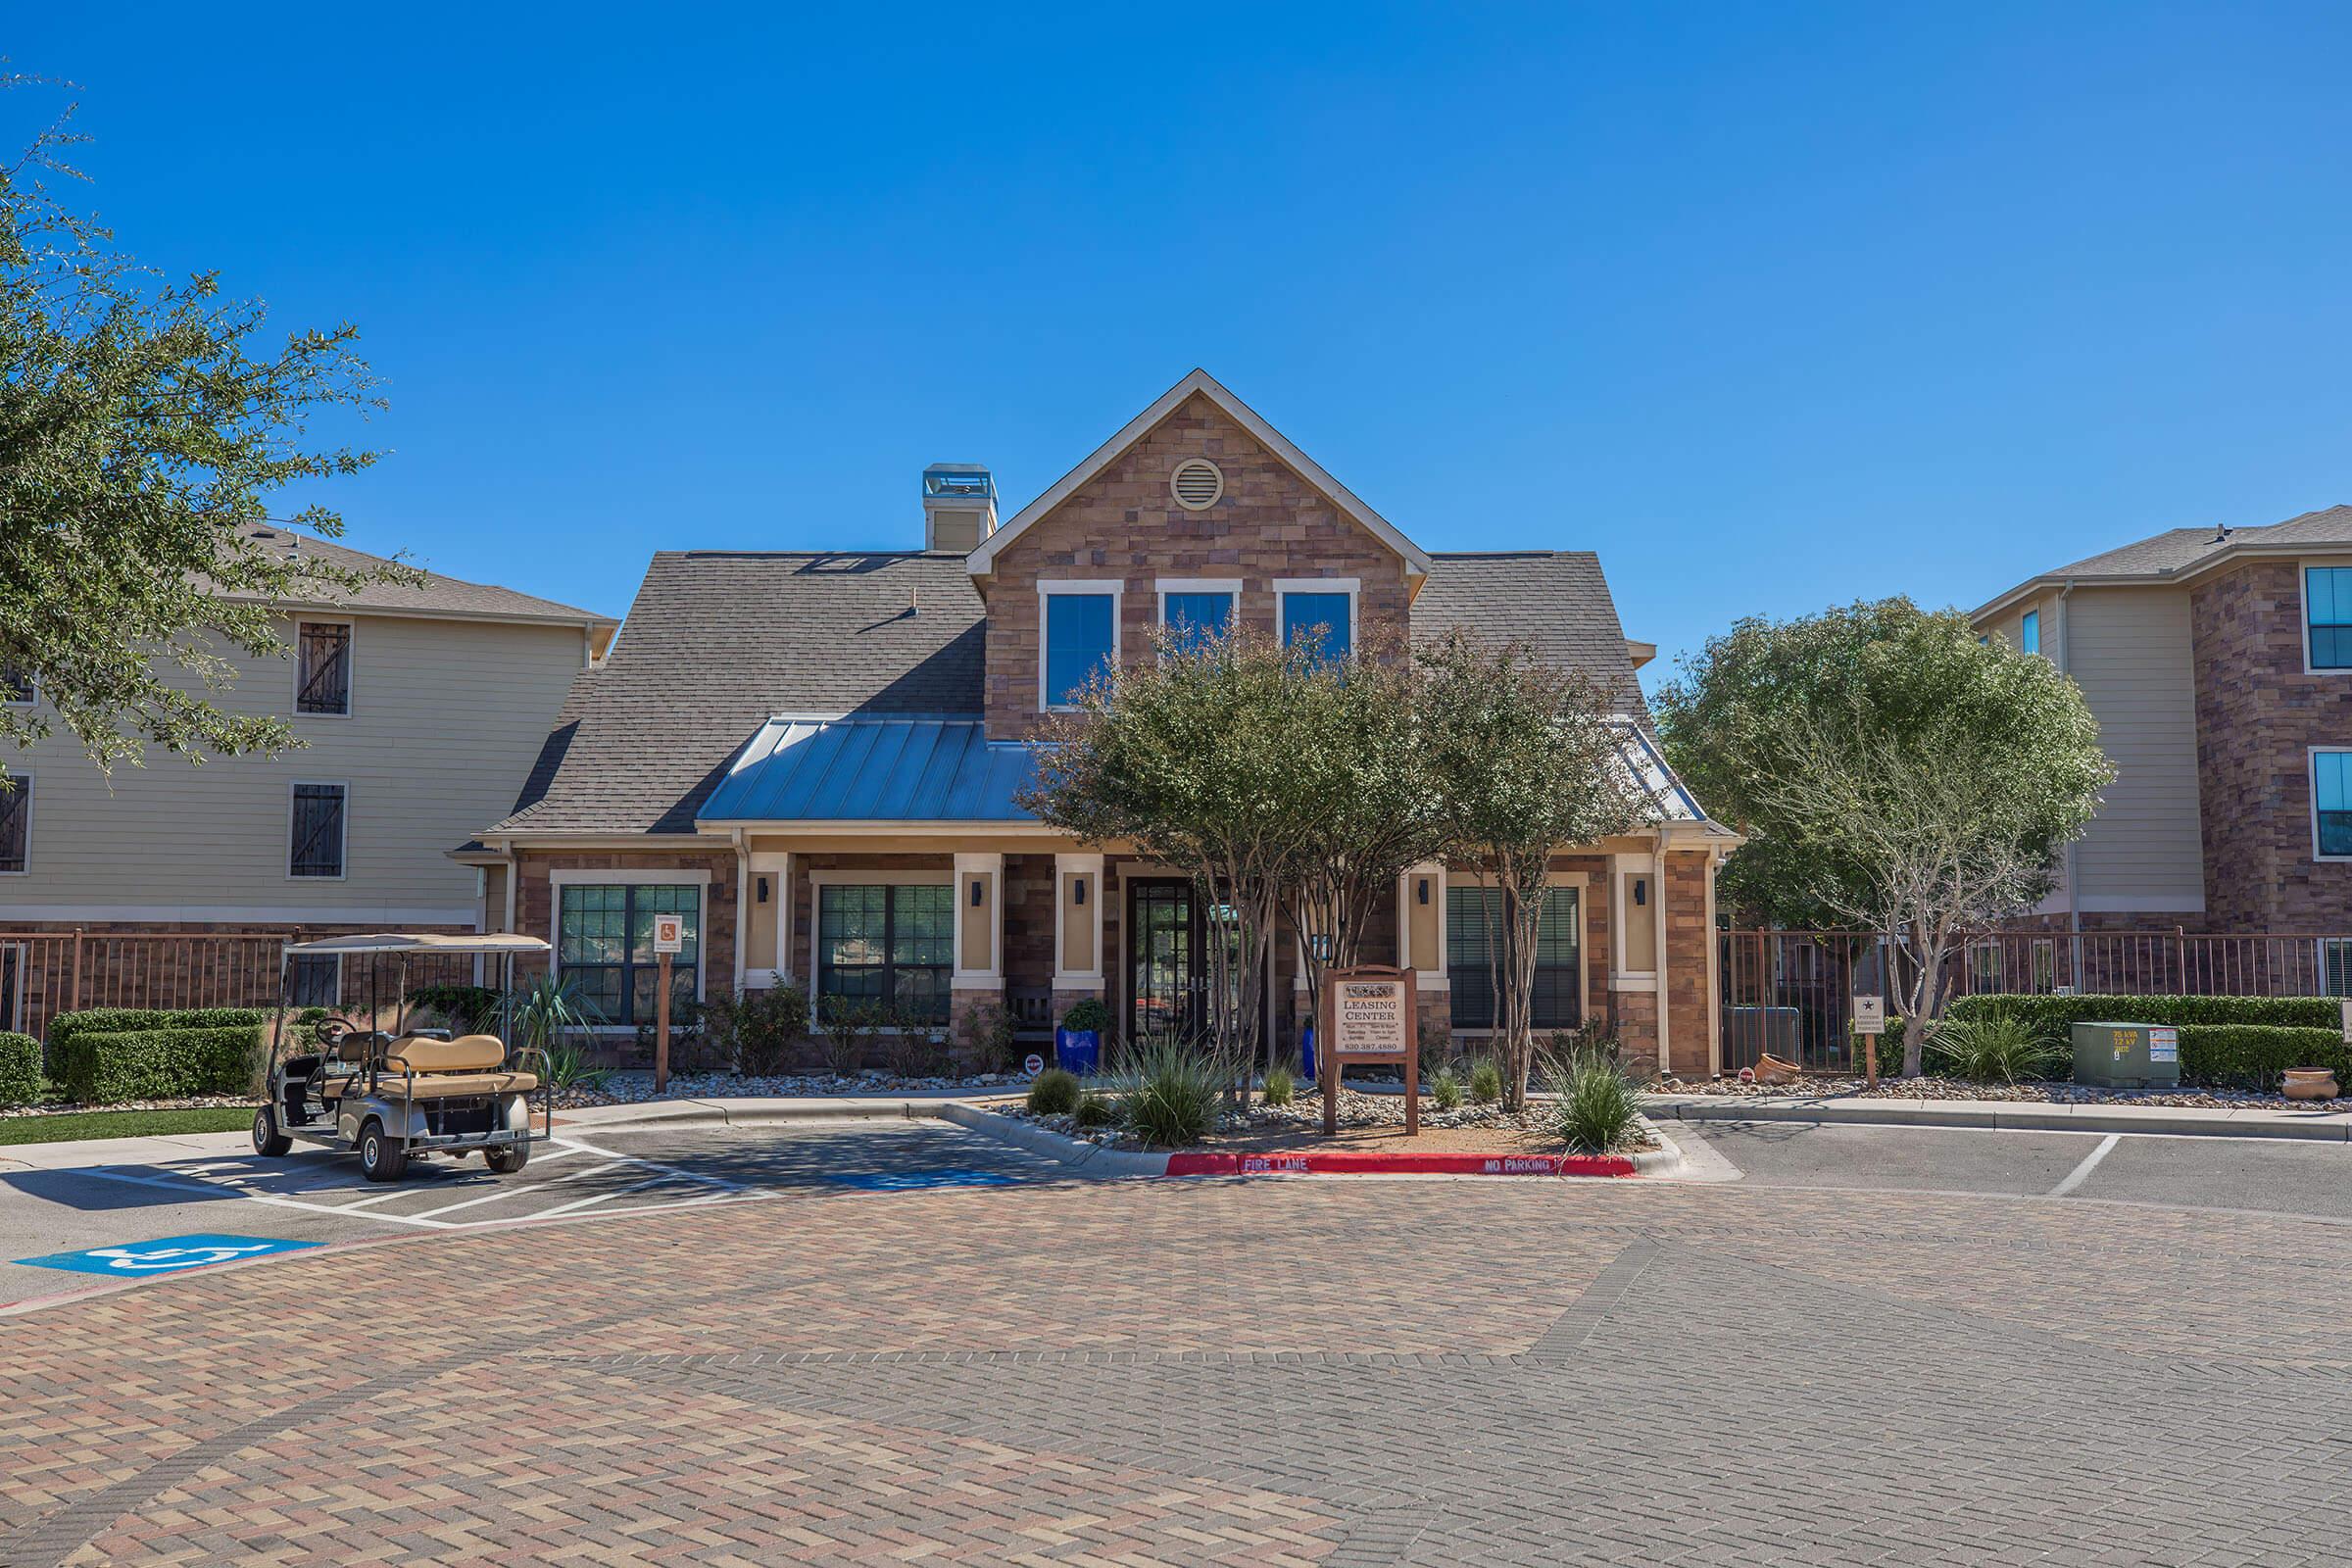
2328	619
15	826
16	688
321	830
1304	605
1196	609
323	668
2330	805
1077	637
2029	632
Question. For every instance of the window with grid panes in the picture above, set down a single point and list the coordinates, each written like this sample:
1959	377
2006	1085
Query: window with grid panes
605	944
1473	928
892	944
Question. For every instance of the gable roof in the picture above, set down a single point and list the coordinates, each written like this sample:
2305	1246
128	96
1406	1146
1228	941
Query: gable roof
2178	554
718	642
1555	601
437	594
982	560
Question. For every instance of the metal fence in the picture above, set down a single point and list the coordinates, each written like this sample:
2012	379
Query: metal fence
44	973
1790	992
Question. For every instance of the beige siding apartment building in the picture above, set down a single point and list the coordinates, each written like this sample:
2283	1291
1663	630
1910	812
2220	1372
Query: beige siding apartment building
815	757
2219	664
421	710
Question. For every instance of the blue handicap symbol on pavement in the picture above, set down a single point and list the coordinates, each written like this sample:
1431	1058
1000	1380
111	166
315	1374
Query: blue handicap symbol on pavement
168	1255
897	1181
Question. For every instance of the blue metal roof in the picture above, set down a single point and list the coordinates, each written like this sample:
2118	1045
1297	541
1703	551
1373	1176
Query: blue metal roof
872	770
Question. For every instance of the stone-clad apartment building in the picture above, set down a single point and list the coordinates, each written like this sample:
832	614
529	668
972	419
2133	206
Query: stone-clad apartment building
813	755
2219	664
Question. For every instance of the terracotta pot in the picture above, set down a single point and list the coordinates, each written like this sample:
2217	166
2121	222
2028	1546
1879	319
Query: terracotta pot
2311	1083
1771	1069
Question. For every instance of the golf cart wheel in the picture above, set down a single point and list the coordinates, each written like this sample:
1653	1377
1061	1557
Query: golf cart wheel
508	1160
267	1141
381	1156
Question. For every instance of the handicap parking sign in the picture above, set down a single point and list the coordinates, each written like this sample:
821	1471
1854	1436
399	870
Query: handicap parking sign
170	1255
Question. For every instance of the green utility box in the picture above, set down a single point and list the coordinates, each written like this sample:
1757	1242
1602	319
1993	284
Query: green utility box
2128	1055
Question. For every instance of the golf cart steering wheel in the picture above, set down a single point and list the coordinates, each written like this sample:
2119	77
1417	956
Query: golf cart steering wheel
329	1031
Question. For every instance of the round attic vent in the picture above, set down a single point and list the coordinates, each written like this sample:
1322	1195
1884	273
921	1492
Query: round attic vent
1197	482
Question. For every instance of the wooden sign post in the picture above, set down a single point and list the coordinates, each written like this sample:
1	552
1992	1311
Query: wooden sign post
1870	1022
1371	1013
670	940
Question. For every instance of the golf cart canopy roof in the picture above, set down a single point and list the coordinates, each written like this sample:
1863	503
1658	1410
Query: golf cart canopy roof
423	942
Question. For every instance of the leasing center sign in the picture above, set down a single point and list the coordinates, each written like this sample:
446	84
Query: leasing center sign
1372	1015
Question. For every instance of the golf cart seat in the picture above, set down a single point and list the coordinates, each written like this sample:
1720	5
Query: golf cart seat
449	1069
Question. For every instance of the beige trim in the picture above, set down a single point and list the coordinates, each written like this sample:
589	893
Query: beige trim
1665	997
1066	866
983	559
978	924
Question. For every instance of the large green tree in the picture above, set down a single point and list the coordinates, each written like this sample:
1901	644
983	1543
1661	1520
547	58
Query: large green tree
1188	755
1893	774
149	431
1525	757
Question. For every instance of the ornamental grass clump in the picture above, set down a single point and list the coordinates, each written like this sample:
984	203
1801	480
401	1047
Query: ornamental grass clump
1445	1090
1171	1095
1998	1048
1596	1104
1056	1093
1486	1080
1095	1111
1282	1087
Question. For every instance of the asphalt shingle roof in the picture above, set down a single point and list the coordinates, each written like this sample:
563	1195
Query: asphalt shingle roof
2176	548
454	594
718	643
1555	601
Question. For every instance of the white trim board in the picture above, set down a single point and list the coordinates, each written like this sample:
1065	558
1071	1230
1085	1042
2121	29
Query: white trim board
373	915
983	559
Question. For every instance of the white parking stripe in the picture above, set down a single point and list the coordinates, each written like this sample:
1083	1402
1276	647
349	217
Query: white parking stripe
583	1202
519	1189
2090	1162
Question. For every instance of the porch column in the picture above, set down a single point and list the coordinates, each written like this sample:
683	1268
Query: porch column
979	973
1421	943
1078	963
1636	915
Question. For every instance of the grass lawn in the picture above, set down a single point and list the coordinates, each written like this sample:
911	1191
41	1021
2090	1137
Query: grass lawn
122	1124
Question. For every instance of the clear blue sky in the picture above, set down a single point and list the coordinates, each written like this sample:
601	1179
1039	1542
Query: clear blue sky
1773	305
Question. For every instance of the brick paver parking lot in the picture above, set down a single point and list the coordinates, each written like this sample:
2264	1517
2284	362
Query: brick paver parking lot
1327	1372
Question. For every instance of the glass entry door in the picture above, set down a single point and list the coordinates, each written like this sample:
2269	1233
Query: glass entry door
1164	982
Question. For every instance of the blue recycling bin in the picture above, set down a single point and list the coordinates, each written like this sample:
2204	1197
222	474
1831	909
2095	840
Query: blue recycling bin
1080	1050
1306	1052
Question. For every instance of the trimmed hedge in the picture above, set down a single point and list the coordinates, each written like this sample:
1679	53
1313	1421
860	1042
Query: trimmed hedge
2252	1056
2230	1042
132	1020
20	1069
104	1069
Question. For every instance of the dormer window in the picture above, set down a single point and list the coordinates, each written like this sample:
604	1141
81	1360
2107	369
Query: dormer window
1078	637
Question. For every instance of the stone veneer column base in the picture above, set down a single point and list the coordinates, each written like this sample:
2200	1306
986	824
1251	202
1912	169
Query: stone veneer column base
1435	1005
1637	1019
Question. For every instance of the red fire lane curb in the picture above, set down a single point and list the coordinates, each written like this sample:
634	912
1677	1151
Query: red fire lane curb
1360	1163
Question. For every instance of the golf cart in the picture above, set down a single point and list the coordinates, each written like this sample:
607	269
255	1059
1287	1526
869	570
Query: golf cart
390	1094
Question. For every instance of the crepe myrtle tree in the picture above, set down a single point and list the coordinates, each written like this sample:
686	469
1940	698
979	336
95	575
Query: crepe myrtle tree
1525	758
1369	796
1188	756
1893	774
147	427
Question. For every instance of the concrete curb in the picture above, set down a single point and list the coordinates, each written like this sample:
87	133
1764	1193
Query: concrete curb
2333	1127
1664	1160
1084	1158
745	1113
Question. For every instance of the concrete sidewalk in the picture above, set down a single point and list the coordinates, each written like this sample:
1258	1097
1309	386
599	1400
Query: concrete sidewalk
2317	1126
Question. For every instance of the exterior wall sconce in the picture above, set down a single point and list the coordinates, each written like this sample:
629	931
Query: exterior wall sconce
1078	891
1640	891
977	886
762	884
1421	890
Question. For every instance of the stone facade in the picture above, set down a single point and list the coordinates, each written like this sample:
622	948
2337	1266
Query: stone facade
1124	525
2257	715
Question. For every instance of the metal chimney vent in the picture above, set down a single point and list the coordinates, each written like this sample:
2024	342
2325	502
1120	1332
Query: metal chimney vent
1196	483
